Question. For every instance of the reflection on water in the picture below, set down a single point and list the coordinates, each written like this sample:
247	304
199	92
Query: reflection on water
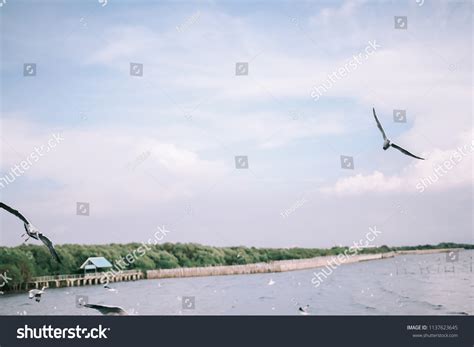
404	285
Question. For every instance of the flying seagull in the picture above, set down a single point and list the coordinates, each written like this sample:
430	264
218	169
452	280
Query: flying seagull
36	293
387	143
32	232
108	310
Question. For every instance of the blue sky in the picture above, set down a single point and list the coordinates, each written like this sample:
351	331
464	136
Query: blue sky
193	114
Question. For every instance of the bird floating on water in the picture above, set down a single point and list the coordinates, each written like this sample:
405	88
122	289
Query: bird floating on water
110	289
32	232
271	282
387	143
36	293
304	310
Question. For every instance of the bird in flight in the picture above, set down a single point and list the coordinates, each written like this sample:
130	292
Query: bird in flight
32	232
387	143
108	310
36	293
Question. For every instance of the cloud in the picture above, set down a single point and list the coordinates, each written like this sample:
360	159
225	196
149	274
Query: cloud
106	164
443	170
124	43
362	184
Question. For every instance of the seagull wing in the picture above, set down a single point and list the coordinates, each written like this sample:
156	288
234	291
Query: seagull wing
405	151
49	244
107	310
14	212
379	125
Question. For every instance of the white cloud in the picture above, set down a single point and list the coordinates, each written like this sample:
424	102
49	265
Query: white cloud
443	170
95	163
362	184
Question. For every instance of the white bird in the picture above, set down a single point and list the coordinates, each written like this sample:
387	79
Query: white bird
36	293
108	310
304	310
32	232
387	143
271	282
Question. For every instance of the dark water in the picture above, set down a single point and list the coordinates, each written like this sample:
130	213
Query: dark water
404	285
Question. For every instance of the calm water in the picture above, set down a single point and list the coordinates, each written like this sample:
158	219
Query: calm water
414	284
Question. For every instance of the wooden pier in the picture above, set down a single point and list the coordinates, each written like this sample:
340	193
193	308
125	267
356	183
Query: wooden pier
60	281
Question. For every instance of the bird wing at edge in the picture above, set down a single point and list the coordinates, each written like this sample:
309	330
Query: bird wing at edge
14	212
405	151
106	309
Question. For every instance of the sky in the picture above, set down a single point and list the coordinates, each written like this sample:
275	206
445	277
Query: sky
158	150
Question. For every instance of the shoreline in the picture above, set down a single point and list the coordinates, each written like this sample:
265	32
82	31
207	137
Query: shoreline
62	281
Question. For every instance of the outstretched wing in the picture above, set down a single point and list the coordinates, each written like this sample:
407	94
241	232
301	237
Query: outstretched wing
379	125
405	151
14	212
49	244
105	310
